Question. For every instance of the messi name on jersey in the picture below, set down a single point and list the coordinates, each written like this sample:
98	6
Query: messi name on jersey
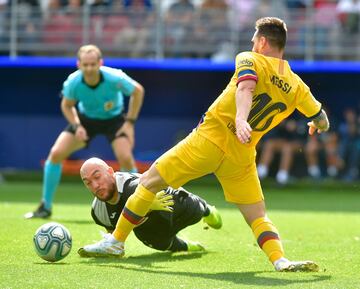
284	86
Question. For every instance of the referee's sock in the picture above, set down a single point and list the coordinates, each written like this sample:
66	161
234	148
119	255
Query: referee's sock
52	176
134	170
268	238
133	213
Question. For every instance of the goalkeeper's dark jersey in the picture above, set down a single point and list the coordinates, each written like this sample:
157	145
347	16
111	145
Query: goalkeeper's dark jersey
188	210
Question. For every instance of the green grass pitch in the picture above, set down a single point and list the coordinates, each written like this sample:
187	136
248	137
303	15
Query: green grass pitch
320	223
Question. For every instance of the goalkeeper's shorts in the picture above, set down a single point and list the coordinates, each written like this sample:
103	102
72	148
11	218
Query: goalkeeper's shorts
196	156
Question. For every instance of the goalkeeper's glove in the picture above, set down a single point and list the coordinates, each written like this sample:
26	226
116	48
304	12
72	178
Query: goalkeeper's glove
162	202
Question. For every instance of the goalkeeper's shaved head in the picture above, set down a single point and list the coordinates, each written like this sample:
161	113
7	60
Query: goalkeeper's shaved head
91	163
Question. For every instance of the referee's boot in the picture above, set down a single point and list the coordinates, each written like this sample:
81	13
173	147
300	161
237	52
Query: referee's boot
41	213
213	220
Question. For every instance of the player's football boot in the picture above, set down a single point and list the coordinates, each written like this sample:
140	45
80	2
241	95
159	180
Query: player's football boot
107	247
194	246
41	212
214	218
284	265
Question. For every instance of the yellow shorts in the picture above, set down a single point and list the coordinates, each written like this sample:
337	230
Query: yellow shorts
196	156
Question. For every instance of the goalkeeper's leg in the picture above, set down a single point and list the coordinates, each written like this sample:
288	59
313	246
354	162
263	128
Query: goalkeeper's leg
139	203
185	245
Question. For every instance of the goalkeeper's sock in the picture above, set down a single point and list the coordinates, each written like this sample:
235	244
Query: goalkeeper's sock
52	176
132	215
268	238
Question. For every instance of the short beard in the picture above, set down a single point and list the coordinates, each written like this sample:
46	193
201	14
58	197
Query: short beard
111	193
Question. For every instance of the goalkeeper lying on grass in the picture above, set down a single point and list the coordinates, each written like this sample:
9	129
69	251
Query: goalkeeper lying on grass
171	211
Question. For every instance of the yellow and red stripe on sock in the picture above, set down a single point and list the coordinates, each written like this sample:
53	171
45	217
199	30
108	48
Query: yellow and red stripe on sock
132	217
266	236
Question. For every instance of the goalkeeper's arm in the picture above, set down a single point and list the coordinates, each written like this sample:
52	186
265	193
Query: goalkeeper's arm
162	202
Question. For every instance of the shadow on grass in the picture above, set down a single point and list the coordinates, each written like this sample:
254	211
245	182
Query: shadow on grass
146	260
51	263
147	264
67	221
244	278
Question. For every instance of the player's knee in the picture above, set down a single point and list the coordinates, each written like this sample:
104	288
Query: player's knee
124	156
152	180
56	155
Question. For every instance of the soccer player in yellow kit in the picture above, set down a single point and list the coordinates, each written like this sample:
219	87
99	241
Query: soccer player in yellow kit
262	92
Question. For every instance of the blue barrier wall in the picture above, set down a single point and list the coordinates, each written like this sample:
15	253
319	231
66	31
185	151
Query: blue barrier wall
177	93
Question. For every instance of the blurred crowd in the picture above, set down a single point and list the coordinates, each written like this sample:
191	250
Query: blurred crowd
184	28
334	154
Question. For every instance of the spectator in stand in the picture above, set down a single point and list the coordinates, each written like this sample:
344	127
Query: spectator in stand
349	17
268	7
62	23
3	20
27	13
137	37
138	3
350	144
296	4
324	25
327	143
179	20
211	30
287	139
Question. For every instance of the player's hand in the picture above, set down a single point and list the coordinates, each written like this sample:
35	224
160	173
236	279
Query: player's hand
81	133
314	128
319	123
127	129
162	202
243	130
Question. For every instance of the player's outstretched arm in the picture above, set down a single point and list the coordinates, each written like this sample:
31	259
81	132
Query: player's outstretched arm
320	123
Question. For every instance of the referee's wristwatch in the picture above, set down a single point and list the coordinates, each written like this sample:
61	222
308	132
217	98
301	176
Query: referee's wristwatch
131	120
75	126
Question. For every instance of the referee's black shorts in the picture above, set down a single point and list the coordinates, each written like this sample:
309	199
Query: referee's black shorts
107	127
160	229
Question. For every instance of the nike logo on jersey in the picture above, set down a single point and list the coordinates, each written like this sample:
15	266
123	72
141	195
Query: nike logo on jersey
113	215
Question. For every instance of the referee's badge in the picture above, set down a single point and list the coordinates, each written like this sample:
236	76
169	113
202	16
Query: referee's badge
108	105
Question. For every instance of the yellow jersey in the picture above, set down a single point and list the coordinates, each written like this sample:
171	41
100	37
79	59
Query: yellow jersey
278	92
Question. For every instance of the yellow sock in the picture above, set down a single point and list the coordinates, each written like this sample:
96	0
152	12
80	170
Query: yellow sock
135	209
268	238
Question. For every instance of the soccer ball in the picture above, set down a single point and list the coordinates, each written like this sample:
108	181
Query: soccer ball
52	242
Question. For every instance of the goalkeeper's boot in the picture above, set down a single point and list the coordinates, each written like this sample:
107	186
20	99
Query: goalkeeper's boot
194	246
214	218
107	247
41	212
284	265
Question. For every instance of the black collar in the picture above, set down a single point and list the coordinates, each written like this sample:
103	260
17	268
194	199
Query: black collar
94	86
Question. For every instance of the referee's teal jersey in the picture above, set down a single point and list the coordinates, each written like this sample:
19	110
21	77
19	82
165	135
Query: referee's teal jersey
104	101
